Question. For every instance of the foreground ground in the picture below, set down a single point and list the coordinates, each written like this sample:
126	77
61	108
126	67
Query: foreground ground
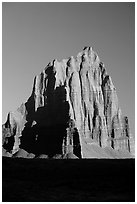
30	180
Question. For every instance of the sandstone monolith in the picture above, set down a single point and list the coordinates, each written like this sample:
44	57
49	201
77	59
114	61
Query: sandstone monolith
73	107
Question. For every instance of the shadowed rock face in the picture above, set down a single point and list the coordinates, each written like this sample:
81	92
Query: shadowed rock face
73	103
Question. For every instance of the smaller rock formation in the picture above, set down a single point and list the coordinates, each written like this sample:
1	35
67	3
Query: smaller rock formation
23	154
12	129
70	155
42	156
71	142
5	153
57	156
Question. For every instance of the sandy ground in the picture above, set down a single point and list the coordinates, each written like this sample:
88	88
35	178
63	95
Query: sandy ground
30	180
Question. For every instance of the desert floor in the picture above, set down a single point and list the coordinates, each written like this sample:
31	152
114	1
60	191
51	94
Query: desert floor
30	180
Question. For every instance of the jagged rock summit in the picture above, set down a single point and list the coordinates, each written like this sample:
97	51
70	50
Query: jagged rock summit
73	110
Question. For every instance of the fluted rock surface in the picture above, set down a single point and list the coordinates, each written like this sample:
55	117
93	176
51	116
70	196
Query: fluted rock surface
73	105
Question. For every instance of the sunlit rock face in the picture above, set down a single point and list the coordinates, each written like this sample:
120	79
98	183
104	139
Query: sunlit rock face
73	105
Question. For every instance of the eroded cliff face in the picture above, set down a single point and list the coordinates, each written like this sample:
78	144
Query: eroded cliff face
73	104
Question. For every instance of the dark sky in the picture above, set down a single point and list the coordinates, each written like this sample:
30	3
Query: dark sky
33	34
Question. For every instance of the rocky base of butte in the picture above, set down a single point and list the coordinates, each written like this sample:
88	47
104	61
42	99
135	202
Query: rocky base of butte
73	112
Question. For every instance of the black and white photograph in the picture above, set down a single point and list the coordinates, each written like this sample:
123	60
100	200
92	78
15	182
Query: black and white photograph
68	101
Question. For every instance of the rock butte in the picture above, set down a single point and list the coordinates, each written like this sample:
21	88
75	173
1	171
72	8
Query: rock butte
73	110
